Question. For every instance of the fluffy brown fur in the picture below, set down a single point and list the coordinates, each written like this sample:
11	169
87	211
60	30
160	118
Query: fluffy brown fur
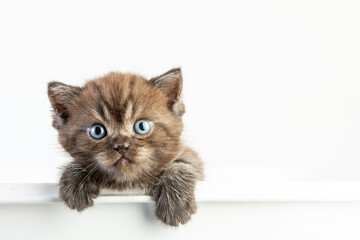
157	161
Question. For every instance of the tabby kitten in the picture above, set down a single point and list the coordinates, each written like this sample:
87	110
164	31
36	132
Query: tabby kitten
123	132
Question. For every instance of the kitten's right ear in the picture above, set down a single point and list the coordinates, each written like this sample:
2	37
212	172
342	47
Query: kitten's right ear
170	83
61	96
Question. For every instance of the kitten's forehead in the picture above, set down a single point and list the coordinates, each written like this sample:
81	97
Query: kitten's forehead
116	97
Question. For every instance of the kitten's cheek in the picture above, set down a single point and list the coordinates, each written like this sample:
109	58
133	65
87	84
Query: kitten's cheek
144	154
105	159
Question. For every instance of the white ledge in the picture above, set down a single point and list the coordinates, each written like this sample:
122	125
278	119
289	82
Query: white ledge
24	193
222	184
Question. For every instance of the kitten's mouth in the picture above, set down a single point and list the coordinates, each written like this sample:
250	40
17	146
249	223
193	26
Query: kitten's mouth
123	160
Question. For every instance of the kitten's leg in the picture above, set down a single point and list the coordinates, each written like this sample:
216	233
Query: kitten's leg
174	190
77	187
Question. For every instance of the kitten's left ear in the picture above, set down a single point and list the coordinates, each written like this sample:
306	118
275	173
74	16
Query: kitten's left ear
170	83
61	96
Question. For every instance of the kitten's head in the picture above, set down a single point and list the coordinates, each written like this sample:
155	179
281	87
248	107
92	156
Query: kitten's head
121	123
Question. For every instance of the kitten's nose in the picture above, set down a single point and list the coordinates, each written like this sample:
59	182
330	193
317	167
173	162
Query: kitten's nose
121	148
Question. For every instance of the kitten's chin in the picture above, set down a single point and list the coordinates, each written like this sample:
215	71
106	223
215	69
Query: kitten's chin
113	162
120	169
123	161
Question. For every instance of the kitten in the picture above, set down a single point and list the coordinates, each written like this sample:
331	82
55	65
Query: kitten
122	132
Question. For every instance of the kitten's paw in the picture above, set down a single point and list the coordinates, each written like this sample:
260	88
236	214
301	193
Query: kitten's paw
77	196
173	209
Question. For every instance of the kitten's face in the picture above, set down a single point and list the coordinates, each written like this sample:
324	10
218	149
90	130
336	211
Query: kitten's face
121	123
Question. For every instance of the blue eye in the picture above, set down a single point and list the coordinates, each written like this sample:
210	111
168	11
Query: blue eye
142	126
97	131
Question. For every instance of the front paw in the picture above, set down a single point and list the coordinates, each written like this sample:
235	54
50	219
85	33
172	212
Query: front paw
78	196
172	208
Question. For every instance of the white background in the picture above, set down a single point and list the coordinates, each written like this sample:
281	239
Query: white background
271	87
266	83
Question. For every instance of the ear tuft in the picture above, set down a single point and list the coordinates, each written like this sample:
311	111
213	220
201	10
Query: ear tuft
169	83
61	96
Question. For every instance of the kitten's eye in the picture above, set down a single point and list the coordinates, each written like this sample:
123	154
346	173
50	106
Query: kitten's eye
97	131
142	126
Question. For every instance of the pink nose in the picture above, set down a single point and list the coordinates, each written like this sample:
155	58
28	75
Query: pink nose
121	148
